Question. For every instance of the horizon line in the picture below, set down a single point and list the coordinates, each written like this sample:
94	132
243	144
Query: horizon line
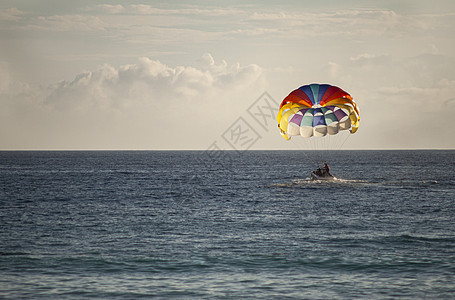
233	150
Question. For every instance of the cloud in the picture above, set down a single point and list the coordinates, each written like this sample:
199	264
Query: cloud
11	14
449	103
432	49
111	9
256	21
367	57
353	24
76	23
151	82
4	77
423	71
146	9
329	23
333	69
143	24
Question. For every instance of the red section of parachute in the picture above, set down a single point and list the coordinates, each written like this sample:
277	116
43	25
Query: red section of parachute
297	96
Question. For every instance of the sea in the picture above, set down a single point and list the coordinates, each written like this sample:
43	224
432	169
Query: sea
227	225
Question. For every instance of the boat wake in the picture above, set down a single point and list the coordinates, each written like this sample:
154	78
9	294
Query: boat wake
310	182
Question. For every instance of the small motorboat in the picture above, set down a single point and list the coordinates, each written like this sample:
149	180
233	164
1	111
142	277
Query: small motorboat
322	173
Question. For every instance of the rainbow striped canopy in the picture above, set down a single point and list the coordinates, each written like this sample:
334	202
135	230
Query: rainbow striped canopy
317	110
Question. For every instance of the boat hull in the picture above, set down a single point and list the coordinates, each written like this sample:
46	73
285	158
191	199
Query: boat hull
313	176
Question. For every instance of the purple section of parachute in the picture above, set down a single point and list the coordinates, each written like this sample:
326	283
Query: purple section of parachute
303	111
340	114
296	119
320	118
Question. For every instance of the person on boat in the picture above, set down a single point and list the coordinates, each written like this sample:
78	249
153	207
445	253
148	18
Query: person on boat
319	172
323	172
326	168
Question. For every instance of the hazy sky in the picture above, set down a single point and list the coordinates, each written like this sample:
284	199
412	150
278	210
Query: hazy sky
192	74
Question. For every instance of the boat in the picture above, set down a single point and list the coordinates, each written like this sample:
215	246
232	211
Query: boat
316	176
322	173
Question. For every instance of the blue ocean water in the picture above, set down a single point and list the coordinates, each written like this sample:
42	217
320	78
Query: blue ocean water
196	224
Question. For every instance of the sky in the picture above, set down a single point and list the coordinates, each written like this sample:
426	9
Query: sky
159	75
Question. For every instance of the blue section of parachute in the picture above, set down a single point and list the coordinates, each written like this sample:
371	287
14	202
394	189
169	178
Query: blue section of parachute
307	90
322	89
318	117
315	92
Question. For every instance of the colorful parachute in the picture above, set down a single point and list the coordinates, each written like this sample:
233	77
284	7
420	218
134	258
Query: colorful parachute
317	110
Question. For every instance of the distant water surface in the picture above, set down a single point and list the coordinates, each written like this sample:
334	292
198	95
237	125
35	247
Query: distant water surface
186	224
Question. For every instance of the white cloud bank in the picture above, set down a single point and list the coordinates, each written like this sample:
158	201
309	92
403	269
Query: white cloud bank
152	82
11	14
143	105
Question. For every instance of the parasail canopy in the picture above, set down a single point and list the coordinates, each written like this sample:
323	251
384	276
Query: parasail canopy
317	110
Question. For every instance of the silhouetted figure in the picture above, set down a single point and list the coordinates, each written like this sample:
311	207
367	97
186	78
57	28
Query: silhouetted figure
323	172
